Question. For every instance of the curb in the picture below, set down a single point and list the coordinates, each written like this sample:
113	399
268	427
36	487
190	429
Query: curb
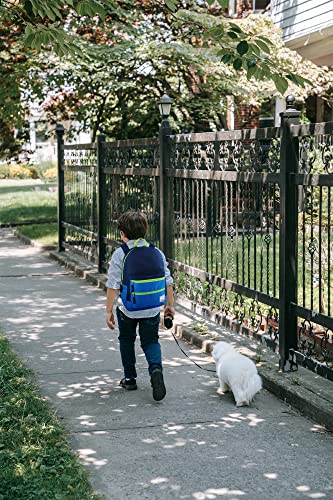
33	243
285	386
79	267
5	225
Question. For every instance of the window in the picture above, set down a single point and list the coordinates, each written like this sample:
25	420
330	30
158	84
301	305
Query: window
41	131
260	4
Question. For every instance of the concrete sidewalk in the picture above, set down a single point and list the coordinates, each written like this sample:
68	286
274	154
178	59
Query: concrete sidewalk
194	444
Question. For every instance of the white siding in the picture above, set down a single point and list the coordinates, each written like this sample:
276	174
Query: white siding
297	18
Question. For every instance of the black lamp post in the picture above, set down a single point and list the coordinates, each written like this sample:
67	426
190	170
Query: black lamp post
166	216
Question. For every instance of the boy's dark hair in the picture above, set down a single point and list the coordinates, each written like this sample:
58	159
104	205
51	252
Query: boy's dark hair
133	224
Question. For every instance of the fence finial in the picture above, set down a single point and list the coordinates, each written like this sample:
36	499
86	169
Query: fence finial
290	100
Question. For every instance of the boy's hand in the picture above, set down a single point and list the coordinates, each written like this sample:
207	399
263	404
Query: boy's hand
169	309
110	321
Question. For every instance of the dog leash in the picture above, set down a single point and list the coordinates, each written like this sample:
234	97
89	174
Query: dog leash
196	364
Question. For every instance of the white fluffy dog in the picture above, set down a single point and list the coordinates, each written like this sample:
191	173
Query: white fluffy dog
236	372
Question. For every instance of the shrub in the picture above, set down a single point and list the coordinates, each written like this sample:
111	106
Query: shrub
51	173
15	172
4	172
43	169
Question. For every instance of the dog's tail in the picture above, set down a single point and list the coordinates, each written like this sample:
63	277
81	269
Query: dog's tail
247	389
254	385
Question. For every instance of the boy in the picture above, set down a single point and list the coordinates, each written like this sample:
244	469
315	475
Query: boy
133	227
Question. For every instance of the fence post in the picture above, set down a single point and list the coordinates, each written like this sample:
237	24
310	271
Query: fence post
288	236
166	182
101	201
61	185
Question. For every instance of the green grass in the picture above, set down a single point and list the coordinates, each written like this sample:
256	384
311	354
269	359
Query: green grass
44	234
36	460
192	251
27	200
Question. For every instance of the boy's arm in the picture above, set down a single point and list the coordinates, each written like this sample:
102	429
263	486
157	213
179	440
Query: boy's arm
170	301
168	308
111	296
113	285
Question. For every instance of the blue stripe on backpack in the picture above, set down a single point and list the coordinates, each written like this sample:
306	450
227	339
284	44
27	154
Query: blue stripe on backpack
143	278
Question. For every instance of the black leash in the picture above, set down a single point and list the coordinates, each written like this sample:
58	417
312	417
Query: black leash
196	364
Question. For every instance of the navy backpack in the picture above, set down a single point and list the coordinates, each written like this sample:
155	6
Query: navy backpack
143	278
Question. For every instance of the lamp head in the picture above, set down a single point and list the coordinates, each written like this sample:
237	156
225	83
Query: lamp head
165	106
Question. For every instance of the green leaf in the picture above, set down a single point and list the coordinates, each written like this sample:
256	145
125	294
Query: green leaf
255	49
28	39
266	40
226	58
44	37
90	8
234	27
258	74
56	11
280	82
35	7
264	47
298	80
266	70
49	13
28	29
217	30
36	42
171	4
251	71
242	47
237	64
306	80
251	63
251	68
232	34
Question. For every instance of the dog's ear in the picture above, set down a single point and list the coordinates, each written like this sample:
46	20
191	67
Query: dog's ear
215	353
218	350
221	348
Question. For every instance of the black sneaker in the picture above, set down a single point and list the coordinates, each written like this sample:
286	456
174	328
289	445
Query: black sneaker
157	383
128	383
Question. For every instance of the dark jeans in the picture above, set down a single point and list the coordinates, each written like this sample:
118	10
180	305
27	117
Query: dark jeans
148	331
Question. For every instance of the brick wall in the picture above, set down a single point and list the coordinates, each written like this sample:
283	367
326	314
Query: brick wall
246	116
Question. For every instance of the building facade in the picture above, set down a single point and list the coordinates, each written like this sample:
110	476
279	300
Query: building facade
307	27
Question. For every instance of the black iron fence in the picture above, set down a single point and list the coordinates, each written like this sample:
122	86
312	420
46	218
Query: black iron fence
244	218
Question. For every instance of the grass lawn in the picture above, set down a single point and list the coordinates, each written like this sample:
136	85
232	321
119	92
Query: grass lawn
219	255
36	460
27	200
44	234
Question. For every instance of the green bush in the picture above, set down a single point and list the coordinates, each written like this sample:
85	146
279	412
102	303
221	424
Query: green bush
46	170
16	171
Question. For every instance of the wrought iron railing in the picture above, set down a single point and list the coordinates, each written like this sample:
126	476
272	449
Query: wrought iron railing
314	182
129	181
226	206
78	200
244	218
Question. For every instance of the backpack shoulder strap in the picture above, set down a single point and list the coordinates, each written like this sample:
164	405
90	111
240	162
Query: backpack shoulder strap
125	248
